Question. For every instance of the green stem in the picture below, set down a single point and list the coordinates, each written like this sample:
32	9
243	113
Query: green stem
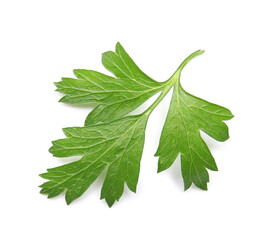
174	79
159	99
186	61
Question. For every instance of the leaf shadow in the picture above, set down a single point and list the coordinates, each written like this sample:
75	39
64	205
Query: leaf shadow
174	172
211	143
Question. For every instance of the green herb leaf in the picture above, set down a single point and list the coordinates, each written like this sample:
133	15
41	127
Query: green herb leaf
117	146
115	97
181	135
112	141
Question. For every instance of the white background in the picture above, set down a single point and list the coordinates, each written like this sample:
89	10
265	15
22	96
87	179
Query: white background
42	41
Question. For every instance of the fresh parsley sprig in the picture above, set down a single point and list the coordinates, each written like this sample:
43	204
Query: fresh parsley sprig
113	140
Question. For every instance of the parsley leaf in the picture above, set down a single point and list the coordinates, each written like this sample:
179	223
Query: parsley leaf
118	145
114	141
181	135
115	97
